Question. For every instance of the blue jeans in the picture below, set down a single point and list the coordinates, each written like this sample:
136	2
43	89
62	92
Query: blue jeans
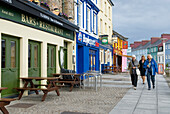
149	79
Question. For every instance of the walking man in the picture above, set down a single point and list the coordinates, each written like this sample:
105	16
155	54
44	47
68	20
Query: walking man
151	69
133	65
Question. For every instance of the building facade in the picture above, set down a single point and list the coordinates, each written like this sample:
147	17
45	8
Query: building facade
167	54
34	42
105	27
87	45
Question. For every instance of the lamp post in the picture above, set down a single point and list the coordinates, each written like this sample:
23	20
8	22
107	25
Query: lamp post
164	39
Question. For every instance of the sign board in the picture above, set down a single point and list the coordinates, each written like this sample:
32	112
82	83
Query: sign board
125	44
24	18
104	39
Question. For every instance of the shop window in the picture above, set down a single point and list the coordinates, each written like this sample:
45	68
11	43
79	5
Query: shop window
35	56
29	56
3	53
13	56
109	13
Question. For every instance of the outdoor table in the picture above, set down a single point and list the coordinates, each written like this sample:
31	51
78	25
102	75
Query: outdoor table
4	102
50	86
76	79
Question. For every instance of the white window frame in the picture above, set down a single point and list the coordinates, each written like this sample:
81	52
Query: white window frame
95	23
168	46
80	16
88	19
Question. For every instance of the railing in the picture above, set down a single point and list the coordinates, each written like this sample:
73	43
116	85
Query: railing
94	76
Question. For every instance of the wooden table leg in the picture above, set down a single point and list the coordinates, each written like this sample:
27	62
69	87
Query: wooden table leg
22	91
32	85
45	95
71	88
57	91
4	110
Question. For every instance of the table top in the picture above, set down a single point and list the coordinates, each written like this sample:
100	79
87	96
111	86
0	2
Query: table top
40	78
75	74
3	88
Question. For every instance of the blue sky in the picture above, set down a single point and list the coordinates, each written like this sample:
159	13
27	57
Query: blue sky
141	19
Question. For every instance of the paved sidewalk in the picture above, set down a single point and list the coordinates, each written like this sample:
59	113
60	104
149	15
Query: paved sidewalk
143	101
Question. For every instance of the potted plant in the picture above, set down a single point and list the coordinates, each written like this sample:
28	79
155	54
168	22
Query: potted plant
56	11
45	5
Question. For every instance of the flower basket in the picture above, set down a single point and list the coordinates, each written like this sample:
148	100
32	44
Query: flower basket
45	5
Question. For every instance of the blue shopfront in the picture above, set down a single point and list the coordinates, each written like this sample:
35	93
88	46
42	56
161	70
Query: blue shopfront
87	53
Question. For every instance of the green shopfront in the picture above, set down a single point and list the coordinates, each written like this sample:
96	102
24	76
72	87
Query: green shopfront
31	41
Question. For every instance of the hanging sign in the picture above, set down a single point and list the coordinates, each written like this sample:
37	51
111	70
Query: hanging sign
104	39
125	44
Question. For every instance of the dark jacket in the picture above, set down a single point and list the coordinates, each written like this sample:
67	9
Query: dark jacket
130	67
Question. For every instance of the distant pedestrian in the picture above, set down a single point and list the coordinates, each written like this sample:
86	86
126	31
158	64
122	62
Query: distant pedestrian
133	65
142	70
151	69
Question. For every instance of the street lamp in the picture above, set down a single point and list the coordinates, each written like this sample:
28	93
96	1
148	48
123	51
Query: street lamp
164	39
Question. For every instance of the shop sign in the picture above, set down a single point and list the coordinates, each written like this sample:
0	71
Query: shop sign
35	22
104	39
125	44
80	37
90	41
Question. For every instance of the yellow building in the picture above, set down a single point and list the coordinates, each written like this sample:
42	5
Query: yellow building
105	29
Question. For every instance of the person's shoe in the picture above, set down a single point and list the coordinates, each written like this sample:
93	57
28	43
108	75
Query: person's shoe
149	88
143	83
153	86
134	88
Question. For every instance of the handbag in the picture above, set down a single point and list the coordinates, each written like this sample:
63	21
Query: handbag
137	71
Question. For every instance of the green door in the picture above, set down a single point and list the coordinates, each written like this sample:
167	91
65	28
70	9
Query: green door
9	64
51	60
34	59
65	55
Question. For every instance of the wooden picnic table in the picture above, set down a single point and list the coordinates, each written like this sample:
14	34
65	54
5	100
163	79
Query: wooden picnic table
76	79
50	86
4	102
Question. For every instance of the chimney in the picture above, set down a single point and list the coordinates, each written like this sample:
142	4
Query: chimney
136	44
131	45
154	39
165	36
145	42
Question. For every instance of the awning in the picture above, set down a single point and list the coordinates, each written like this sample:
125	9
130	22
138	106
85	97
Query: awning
125	56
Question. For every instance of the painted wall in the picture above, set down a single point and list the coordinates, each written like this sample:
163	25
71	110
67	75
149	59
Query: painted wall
167	53
124	60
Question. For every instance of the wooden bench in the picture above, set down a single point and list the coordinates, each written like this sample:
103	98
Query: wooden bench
72	82
3	103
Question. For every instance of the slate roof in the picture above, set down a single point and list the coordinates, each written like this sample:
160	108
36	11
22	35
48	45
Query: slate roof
168	41
155	44
146	45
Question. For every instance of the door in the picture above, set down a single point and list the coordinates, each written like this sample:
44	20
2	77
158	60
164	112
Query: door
51	60
10	64
65	55
34	59
92	60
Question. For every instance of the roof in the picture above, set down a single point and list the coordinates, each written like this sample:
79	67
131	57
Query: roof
110	1
168	41
146	45
119	35
155	44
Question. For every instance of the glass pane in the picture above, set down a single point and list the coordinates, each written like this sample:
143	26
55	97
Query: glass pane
3	53
52	57
36	56
13	54
29	55
47	57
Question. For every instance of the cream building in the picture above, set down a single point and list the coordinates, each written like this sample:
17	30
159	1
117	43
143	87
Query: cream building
105	27
32	45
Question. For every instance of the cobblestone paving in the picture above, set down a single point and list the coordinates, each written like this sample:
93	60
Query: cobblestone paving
79	100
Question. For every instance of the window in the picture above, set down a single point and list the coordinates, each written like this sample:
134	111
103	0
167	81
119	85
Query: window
80	11
105	8
166	56
88	19
101	26
109	31
105	28
168	46
109	12
95	31
155	49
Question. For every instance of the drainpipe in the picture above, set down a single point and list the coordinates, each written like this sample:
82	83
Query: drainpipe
63	6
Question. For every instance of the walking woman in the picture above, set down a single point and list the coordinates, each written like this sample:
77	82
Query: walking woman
151	69
133	65
142	70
